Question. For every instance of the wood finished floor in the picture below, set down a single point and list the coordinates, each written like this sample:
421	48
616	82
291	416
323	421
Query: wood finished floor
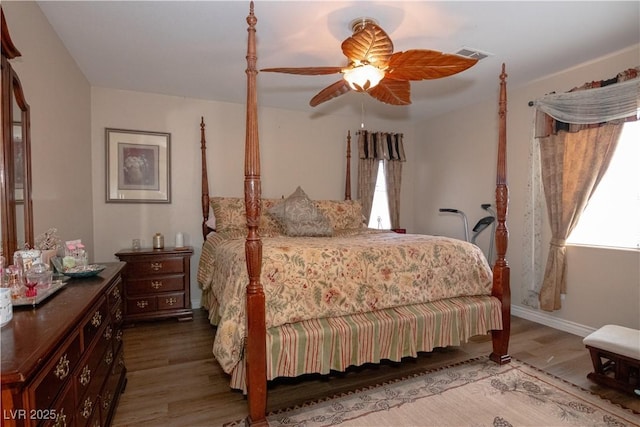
173	379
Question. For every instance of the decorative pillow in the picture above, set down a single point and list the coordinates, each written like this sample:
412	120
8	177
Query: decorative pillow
343	214
299	216
230	215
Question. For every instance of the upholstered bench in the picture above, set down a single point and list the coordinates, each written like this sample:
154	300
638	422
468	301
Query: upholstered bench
615	353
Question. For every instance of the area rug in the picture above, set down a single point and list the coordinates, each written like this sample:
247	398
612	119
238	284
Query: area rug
475	393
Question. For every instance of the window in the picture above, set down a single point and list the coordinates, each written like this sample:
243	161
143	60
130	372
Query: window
612	216
380	207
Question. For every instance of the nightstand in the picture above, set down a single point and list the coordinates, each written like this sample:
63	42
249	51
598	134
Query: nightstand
156	283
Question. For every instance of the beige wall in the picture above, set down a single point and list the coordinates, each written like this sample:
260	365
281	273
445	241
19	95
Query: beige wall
295	150
457	160
59	97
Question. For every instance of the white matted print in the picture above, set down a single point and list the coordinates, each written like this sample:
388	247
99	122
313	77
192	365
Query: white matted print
138	166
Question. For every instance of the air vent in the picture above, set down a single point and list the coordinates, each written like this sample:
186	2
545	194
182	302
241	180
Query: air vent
472	53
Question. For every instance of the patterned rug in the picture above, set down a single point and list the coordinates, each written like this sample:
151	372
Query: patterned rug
475	393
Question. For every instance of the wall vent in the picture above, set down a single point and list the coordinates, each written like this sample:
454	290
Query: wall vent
472	53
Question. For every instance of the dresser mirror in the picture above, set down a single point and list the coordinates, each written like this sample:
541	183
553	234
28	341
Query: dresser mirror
15	156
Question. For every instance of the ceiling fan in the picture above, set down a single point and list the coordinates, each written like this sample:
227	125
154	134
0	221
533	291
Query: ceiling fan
376	70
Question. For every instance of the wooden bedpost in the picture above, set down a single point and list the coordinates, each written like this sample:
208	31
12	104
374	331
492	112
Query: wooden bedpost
256	357
347	185
501	272
205	181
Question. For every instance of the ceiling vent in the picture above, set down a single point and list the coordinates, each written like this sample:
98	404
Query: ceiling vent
473	53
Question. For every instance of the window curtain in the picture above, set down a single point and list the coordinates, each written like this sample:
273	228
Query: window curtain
372	148
575	135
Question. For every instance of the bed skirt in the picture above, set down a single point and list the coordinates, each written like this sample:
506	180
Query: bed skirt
322	345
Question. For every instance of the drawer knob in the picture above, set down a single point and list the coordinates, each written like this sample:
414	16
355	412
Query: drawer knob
108	333
62	368
118	315
171	301
116	293
119	335
61	419
106	401
86	408
155	266
85	376
96	320
109	358
156	284
142	304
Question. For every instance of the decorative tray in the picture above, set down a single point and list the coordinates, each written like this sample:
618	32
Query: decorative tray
84	270
42	294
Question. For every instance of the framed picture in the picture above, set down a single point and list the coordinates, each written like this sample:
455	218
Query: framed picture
138	166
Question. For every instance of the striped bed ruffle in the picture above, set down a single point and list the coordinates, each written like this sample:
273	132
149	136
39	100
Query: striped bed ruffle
322	345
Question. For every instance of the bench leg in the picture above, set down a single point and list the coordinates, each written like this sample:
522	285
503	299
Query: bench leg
626	371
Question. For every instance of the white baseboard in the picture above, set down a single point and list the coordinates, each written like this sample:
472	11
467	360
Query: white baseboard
196	304
551	321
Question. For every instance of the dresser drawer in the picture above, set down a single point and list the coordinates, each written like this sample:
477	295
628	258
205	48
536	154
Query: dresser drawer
109	394
62	411
90	375
155	285
57	372
114	295
94	322
150	267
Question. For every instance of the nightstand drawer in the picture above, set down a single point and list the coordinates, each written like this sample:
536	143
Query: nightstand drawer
150	267
146	304
170	301
155	285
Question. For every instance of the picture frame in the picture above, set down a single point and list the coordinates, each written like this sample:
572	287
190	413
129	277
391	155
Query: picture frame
138	166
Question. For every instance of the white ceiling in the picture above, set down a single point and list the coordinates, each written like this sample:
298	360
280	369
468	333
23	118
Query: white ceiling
197	49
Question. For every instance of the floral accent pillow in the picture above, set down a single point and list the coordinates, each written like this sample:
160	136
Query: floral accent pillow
229	215
343	214
299	216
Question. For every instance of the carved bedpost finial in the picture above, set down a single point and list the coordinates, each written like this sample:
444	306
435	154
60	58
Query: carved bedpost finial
347	187
205	180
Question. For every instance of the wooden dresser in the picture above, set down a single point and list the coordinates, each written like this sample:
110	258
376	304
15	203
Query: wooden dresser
156	283
63	362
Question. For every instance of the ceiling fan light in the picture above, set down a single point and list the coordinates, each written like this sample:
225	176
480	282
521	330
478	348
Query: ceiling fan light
363	77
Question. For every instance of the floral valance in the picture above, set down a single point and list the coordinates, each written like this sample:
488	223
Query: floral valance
380	145
590	105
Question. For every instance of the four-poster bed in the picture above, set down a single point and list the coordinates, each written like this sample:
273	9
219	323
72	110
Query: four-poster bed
274	331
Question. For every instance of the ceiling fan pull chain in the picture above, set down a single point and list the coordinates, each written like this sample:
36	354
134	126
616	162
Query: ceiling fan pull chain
362	122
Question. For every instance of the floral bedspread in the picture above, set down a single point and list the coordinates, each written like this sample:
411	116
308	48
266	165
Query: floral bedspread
315	277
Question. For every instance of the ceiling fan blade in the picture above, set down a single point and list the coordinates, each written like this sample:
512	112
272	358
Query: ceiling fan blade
338	88
423	64
394	92
307	71
370	45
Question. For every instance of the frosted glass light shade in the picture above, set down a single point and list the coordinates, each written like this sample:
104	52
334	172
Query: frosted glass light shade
364	77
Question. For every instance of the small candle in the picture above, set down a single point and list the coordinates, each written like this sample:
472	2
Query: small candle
179	240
